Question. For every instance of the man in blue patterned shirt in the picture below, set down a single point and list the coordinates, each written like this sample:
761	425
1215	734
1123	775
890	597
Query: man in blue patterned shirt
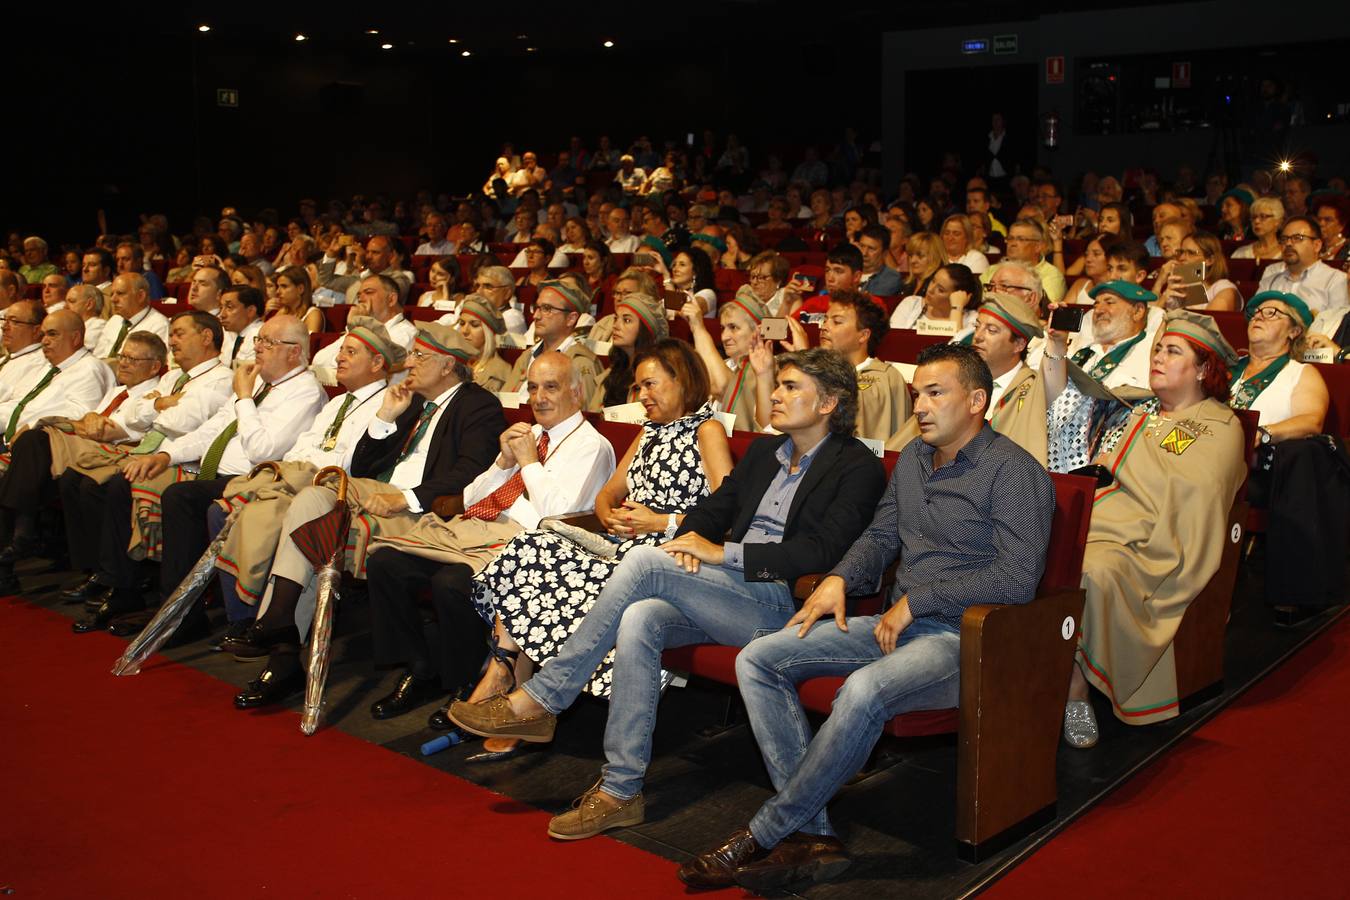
968	512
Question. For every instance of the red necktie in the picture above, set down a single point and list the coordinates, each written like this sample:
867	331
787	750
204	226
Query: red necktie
114	403
492	506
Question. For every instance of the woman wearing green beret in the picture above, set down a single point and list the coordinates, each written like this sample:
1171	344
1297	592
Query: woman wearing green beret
481	325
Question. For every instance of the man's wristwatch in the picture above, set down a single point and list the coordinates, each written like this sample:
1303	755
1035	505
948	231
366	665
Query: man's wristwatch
1265	434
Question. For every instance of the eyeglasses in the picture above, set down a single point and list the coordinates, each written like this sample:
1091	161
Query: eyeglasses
1297	238
1015	288
418	356
544	307
487	286
761	278
122	357
1270	312
266	342
8	322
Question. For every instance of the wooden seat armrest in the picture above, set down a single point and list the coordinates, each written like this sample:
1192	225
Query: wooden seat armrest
808	583
448	505
586	520
1015	664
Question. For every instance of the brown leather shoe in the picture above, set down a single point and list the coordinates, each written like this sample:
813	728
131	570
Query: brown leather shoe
796	858
590	815
716	868
493	718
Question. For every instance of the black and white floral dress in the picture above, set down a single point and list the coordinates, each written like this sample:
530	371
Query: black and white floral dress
542	583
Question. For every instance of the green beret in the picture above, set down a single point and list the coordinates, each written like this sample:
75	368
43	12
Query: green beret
485	311
570	295
372	333
655	243
1126	290
443	339
1293	301
710	239
1013	312
1241	195
650	311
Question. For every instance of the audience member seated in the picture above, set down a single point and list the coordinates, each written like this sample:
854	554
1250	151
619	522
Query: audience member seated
377	299
1267	215
432	435
692	273
1302	272
132	312
497	286
129	260
732	380
1220	293
958	242
442	274
680	457
556	313
378	257
67	383
620	239
436	243
1332	212
843	272
1093	267
54	288
552	468
1158	529
1235	215
36	266
950	301
1027	242
258	426
792	505
968	513
877	278
22	339
1115	351
854	326
639	323
96	268
924	255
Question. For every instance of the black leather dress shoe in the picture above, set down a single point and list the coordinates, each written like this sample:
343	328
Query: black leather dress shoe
270	687
98	621
409	693
88	589
439	720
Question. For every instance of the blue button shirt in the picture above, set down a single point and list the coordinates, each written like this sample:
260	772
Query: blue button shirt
771	515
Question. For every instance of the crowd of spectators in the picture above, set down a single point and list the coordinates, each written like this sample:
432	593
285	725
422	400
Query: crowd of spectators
153	380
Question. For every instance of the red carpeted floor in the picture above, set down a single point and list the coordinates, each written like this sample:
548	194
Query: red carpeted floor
1254	804
151	786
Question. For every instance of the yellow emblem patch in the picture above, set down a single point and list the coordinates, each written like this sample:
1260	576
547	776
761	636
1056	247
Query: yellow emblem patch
1177	441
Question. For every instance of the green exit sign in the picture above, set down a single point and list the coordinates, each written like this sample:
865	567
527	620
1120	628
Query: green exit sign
227	97
1005	44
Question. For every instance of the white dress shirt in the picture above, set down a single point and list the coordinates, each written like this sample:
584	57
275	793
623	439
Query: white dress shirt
974	260
17	368
81	381
206	391
578	463
629	243
1001	387
324	366
412	471
247	351
118	416
148	319
426	248
1320	286
309	446
266	431
93	332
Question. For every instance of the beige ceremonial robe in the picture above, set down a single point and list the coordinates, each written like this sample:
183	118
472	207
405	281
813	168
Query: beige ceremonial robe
493	376
738	397
1156	539
883	400
263	502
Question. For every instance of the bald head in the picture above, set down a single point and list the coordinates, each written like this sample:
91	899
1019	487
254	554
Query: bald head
129	294
62	336
554	388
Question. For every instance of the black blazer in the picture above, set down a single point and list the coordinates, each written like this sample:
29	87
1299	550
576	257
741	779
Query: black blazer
832	506
466	441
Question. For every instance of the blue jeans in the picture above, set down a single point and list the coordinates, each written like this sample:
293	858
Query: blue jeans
650	603
923	672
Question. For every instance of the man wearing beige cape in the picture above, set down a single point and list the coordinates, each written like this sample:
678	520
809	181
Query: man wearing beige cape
433	434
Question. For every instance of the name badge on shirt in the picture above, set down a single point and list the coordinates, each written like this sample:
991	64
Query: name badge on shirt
1319	355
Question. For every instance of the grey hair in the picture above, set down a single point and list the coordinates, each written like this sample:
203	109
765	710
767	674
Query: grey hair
1030	270
498	275
835	377
92	293
151	342
138	283
36	241
295	330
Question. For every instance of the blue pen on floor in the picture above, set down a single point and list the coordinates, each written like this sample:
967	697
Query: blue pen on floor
444	742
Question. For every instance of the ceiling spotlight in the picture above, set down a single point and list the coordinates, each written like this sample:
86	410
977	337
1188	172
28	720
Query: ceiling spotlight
533	49
300	37
465	53
522	37
372	31
203	28
454	40
609	44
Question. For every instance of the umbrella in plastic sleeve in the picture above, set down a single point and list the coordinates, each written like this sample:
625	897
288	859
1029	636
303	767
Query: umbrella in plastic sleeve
323	541
175	608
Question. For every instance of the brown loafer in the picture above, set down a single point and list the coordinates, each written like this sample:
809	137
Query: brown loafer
802	856
493	718
590	815
716	868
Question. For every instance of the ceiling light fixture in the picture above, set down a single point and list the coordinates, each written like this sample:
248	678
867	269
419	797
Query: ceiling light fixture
386	46
609	44
372	31
203	28
466	53
300	37
454	40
